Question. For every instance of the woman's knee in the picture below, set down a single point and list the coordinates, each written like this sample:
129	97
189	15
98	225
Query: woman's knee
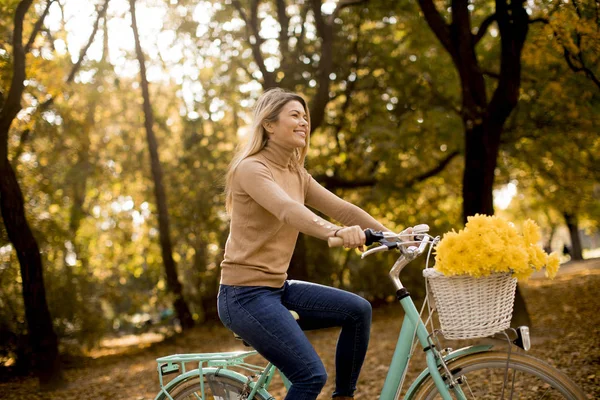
320	379
311	382
361	310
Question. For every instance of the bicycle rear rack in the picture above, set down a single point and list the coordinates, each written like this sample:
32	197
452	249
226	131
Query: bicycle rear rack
177	364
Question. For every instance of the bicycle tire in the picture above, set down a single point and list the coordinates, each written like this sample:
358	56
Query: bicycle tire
189	389
528	378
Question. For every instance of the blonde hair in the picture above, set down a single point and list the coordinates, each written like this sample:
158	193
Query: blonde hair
267	109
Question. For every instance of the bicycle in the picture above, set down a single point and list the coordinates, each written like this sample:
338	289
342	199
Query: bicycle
478	371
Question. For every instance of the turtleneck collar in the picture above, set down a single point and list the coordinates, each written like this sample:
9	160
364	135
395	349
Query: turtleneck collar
277	154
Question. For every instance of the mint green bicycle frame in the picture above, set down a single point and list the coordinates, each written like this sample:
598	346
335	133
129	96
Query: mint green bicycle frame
411	325
400	360
220	361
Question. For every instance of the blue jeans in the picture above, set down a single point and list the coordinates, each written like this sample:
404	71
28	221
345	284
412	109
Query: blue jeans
260	316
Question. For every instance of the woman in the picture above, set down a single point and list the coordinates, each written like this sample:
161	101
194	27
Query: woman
267	188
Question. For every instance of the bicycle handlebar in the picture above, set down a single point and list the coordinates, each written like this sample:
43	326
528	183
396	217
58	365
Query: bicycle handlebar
371	237
389	240
411	244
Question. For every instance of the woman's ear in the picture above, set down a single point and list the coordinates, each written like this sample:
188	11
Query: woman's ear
268	127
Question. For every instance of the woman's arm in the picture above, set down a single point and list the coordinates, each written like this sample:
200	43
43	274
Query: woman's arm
255	179
331	205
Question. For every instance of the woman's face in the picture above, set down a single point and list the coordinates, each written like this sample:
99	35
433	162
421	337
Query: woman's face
291	130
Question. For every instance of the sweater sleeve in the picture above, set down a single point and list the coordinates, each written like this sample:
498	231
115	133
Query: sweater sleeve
256	180
329	204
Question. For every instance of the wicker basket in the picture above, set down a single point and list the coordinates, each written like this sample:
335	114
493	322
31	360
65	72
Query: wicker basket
472	307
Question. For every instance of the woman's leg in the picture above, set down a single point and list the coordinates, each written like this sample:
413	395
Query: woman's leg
323	307
257	315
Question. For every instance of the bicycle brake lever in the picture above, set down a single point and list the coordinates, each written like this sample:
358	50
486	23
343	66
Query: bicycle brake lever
374	250
384	247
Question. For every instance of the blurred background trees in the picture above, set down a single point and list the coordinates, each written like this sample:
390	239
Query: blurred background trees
389	119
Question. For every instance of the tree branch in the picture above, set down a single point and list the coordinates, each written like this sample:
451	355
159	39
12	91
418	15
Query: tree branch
513	24
49	38
541	19
350	86
325	33
341	5
334	182
432	172
437	24
439	98
84	50
320	22
491	74
483	28
50	99
22	142
569	57
38	26
13	100
576	6
300	43
251	27
284	23
254	18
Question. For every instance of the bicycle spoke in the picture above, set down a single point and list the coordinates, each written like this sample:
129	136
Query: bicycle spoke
546	392
486	376
465	380
512	386
222	388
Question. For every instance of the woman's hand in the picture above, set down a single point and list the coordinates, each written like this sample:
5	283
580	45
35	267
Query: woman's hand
353	236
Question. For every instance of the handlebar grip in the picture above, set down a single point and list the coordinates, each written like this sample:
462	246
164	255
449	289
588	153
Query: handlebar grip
335	241
421	228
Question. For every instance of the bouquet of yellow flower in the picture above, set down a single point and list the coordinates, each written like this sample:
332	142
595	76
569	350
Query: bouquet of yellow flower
490	244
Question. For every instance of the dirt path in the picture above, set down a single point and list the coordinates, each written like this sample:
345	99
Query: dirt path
566	331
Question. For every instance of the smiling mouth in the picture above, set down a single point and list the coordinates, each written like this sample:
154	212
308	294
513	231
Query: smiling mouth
303	133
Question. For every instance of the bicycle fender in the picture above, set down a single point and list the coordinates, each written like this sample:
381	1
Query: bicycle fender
465	351
209	371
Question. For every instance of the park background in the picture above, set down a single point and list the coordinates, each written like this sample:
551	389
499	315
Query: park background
115	136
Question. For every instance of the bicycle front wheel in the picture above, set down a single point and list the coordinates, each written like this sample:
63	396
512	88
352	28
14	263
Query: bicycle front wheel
490	376
215	387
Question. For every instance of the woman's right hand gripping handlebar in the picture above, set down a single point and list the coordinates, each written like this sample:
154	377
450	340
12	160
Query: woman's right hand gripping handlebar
349	236
355	237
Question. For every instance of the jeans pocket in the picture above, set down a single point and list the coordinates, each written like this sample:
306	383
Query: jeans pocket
223	306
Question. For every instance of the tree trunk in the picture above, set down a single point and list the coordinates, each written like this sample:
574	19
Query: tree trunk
483	121
41	333
572	224
478	176
173	283
481	154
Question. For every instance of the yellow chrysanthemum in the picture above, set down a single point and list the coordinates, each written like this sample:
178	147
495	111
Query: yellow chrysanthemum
553	265
531	232
490	244
537	257
477	221
501	224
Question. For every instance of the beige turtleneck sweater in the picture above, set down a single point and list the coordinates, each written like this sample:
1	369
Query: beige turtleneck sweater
268	211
